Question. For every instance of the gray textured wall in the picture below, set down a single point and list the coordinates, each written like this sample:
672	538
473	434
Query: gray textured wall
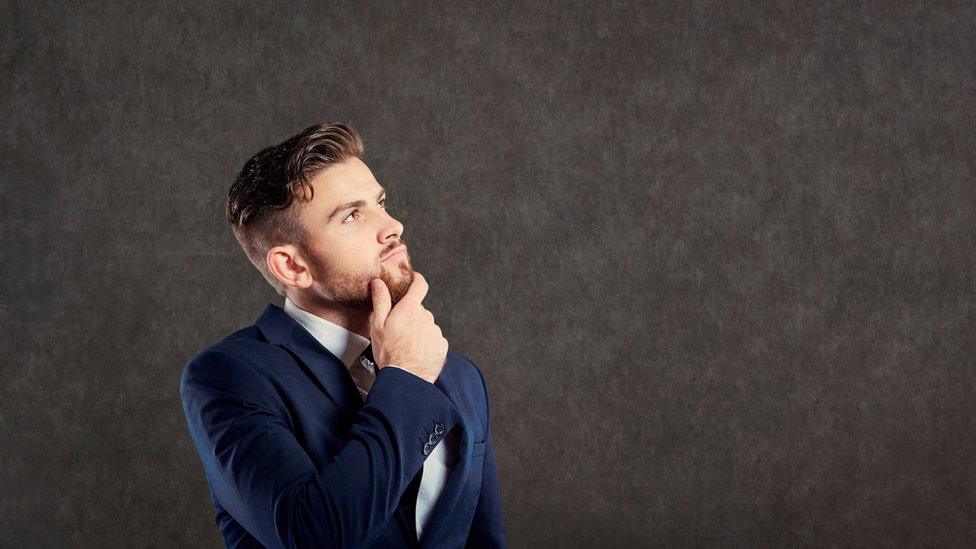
716	261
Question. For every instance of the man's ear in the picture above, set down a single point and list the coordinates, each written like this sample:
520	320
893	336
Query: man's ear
288	265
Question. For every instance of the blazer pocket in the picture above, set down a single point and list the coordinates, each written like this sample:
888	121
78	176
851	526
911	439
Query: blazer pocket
479	449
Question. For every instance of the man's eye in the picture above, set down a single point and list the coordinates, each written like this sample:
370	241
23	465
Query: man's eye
382	202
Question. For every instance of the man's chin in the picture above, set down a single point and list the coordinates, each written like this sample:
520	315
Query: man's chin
398	285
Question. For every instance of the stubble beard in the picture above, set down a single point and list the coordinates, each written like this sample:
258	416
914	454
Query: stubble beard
351	290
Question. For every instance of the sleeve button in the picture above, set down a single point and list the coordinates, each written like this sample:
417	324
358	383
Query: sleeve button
431	439
426	448
438	428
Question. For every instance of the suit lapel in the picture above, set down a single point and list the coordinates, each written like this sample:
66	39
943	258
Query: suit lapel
282	330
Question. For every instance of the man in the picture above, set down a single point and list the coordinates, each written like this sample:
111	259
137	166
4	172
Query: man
340	419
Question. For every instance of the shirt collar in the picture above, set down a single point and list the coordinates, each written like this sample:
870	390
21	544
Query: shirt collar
346	345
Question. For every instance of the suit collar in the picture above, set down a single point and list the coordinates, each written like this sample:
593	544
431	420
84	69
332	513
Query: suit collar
275	324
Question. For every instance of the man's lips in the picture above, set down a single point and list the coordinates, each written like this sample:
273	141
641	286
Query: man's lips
396	252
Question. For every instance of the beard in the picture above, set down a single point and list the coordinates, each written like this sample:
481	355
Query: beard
351	289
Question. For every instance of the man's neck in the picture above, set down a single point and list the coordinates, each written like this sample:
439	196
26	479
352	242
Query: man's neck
354	320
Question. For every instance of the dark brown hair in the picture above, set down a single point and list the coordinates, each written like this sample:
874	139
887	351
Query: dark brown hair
259	203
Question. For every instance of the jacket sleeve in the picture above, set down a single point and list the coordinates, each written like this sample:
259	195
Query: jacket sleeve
488	527
269	484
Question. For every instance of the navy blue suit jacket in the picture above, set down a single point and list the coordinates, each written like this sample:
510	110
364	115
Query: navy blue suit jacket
295	458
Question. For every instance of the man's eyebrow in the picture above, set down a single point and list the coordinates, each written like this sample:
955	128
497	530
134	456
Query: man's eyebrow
353	204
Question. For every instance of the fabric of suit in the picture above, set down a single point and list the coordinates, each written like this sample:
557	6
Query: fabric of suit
295	458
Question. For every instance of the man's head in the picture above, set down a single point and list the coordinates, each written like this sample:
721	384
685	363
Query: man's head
312	218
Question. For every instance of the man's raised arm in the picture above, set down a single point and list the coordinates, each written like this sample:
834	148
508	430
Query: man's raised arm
269	484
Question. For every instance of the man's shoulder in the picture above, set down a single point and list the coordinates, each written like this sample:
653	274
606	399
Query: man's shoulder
471	384
243	353
463	369
469	376
246	343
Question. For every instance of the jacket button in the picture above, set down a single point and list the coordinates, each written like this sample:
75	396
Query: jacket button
438	428
426	449
431	439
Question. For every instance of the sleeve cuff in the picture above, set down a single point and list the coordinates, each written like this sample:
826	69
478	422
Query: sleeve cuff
426	412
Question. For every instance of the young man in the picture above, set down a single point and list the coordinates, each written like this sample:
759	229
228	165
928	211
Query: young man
340	419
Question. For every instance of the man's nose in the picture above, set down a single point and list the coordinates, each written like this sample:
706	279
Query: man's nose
392	227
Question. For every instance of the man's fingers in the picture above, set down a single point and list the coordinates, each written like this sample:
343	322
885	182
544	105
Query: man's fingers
381	302
418	289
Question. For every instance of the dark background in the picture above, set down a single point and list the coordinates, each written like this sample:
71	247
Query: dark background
715	260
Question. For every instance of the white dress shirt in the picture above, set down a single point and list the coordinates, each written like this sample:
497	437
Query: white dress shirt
347	346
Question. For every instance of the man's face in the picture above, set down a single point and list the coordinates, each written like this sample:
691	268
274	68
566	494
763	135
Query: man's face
349	234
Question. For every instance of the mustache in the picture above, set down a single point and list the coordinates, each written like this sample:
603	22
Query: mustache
397	244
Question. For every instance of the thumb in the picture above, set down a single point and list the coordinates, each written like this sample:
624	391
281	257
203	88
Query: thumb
381	303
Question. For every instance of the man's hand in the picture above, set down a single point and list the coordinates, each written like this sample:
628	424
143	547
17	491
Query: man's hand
406	336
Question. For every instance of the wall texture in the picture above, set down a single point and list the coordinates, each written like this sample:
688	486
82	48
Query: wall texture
716	261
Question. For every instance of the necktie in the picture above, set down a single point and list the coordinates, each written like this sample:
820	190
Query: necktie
363	371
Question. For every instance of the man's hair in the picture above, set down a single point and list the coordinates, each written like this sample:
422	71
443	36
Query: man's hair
259	203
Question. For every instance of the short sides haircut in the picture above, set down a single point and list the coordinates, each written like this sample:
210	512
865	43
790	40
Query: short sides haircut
262	204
